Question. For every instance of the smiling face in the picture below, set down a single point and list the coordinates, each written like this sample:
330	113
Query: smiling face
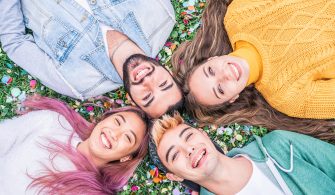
219	80
188	153
150	85
115	137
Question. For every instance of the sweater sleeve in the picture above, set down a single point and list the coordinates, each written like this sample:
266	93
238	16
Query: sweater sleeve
22	49
320	102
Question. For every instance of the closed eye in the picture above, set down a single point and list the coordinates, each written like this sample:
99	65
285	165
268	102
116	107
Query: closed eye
146	97
188	136
128	138
117	122
163	84
174	156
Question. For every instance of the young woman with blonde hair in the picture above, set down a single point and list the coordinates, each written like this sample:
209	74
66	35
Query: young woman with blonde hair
263	63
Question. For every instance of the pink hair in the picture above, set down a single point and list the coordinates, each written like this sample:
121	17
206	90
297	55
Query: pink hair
86	179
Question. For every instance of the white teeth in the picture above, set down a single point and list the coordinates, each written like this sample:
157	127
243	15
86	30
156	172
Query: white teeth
105	141
141	73
236	71
199	157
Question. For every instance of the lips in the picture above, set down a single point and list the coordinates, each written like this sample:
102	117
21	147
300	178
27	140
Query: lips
105	141
199	158
140	71
236	70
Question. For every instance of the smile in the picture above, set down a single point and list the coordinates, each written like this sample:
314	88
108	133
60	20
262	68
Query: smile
236	70
199	158
141	71
104	140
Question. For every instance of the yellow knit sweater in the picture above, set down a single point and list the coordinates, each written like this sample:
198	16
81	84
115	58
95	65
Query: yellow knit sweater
295	41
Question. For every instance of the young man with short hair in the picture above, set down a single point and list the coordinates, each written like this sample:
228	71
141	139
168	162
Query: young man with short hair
80	47
281	162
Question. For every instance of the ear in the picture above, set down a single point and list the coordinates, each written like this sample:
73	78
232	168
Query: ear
126	158
173	177
232	100
211	58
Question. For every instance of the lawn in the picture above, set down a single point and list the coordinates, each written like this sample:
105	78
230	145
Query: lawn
16	84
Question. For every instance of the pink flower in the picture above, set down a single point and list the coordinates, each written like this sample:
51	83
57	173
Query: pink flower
33	84
134	188
90	108
168	44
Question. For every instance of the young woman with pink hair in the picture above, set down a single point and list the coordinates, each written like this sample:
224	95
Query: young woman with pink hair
53	150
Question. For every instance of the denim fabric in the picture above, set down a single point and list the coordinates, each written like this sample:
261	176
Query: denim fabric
72	40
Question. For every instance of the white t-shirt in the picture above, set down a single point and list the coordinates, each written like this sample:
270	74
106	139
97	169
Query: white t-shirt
21	152
104	28
258	183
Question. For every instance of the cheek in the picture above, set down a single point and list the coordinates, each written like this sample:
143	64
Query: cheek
136	92
125	148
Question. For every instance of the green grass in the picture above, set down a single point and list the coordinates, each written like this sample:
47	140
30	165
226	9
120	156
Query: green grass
188	20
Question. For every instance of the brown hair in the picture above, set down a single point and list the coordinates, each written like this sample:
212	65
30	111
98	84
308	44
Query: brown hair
250	108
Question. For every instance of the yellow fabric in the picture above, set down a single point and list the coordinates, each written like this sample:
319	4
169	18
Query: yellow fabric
296	42
248	52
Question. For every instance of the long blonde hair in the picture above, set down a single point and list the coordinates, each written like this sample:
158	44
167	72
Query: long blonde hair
250	108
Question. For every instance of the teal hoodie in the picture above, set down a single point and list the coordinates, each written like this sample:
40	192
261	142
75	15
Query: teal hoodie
306	165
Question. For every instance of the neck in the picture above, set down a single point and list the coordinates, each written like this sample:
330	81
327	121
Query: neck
83	148
230	176
250	54
120	47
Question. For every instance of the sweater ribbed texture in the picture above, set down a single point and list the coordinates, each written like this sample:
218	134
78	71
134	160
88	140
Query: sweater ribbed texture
296	42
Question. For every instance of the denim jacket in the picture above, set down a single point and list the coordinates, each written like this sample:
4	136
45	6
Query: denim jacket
66	51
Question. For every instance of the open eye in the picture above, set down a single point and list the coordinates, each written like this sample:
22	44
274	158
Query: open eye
220	90
211	71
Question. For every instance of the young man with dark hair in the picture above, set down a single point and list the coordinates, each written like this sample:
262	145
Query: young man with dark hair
79	47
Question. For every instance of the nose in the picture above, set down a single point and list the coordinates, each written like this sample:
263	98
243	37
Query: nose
147	81
190	150
225	76
114	134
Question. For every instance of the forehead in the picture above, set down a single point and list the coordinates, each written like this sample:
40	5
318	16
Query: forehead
170	137
129	117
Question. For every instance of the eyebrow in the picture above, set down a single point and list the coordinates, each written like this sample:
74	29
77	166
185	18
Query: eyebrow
149	102
203	69
183	131
168	87
216	93
168	153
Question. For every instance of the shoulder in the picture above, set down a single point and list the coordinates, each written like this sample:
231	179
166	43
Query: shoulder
36	118
279	136
242	8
